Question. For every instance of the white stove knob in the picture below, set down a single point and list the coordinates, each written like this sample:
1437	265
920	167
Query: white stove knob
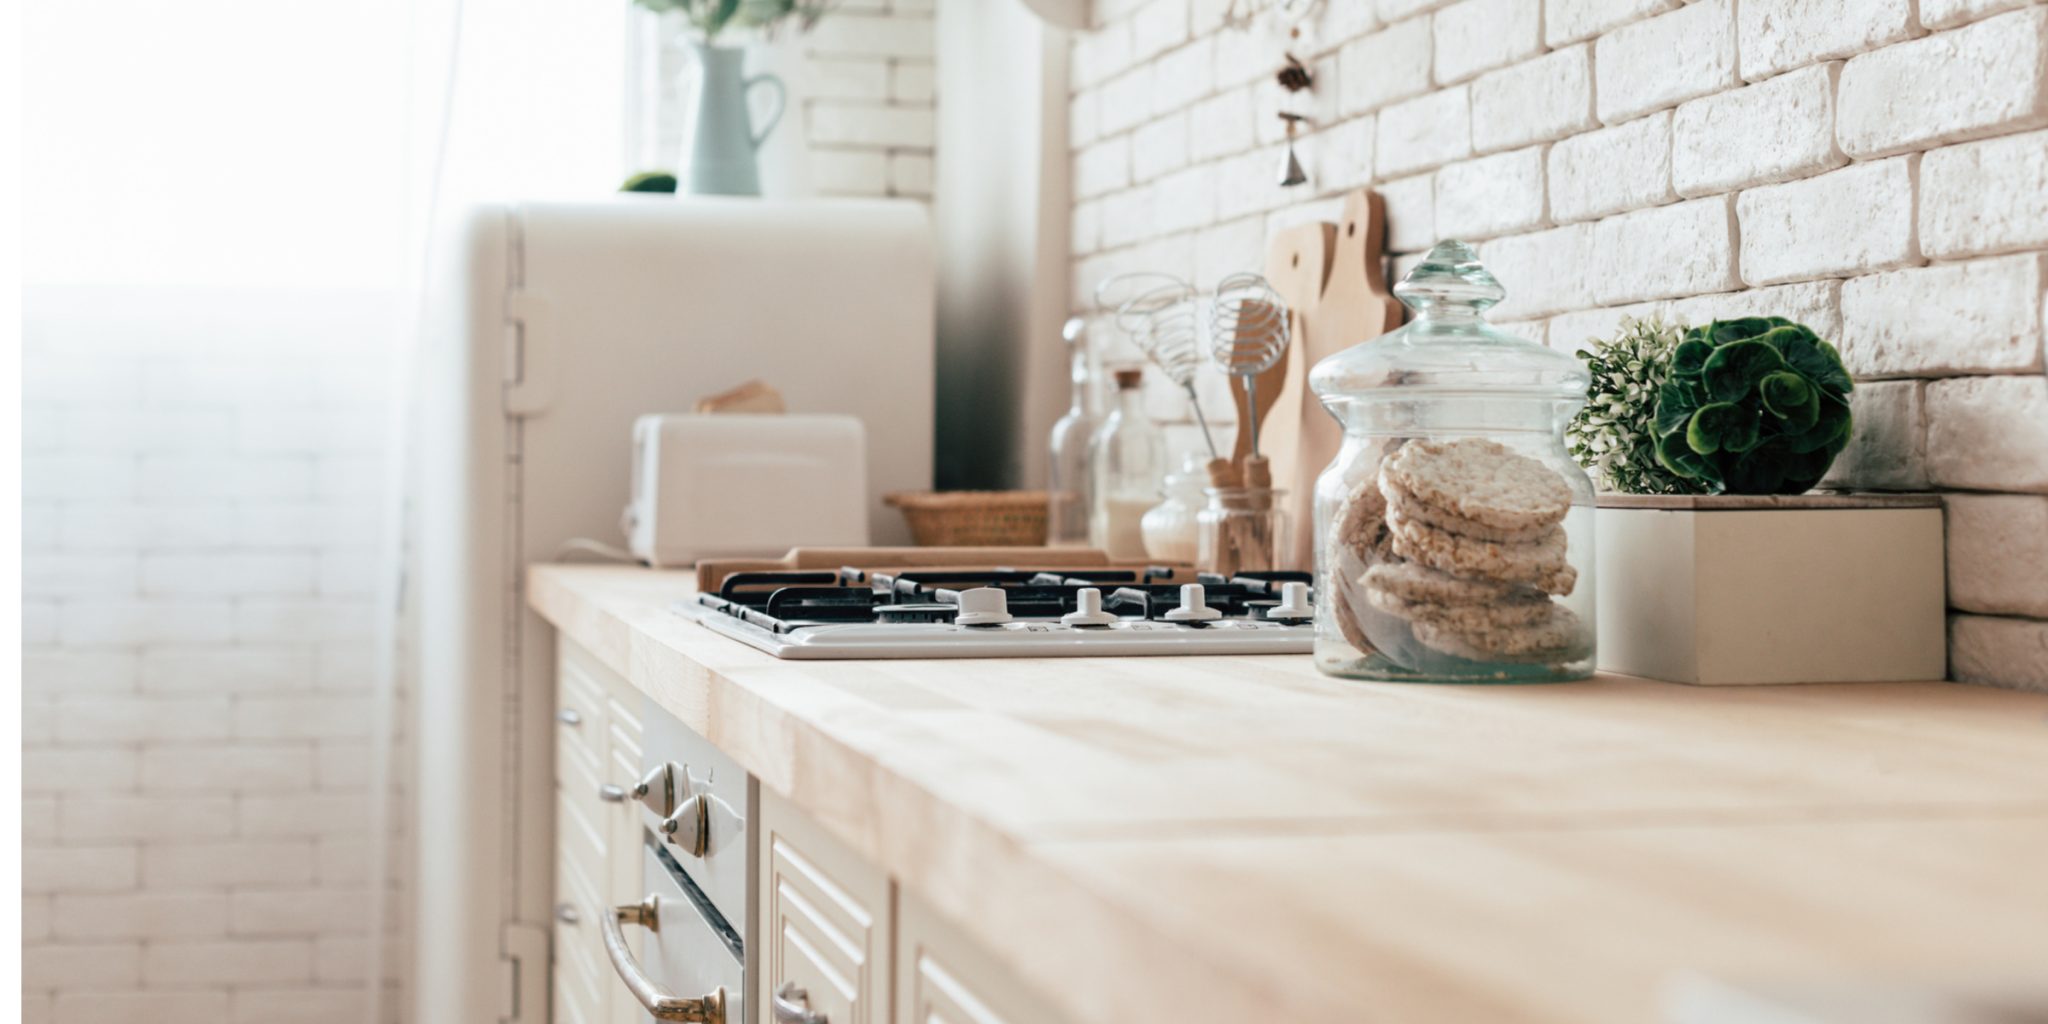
1089	612
983	606
1194	606
1294	606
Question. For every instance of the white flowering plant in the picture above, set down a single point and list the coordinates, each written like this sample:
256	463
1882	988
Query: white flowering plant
1615	435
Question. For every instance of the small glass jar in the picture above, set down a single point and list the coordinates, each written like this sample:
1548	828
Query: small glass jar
1169	526
1242	529
1454	531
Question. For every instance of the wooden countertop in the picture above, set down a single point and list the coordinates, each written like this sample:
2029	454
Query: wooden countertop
1225	839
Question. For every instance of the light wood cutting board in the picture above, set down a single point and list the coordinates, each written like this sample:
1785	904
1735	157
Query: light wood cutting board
1353	305
1298	265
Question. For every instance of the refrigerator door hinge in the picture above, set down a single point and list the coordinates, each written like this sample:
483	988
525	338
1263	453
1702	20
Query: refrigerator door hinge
530	370
524	964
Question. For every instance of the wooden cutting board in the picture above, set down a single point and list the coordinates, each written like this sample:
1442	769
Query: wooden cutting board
712	572
1354	305
1297	264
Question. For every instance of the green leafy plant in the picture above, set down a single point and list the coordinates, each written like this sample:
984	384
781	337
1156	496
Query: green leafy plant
650	181
1758	405
711	17
1615	435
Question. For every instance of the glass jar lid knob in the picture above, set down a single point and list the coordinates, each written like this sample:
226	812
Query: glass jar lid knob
1449	281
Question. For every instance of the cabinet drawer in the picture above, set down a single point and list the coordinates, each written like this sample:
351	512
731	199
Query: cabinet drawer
824	924
581	704
944	978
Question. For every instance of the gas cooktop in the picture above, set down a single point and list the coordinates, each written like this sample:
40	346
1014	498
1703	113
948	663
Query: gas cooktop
1010	613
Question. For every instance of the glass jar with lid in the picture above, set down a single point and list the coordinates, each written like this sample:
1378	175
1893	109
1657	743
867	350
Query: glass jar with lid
1454	531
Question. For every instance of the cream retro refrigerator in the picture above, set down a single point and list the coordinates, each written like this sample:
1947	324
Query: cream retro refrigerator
551	327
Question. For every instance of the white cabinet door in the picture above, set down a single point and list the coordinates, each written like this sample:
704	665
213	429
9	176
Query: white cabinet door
597	833
823	924
943	978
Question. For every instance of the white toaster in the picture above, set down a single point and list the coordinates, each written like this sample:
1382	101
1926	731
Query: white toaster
725	485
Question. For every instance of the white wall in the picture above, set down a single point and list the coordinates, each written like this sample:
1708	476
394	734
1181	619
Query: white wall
201	475
1875	168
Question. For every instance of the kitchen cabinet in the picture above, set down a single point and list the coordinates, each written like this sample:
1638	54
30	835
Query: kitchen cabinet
1233	839
597	832
845	946
944	978
824	922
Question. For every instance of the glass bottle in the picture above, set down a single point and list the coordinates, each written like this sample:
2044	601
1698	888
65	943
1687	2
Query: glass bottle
1127	457
1454	531
1169	526
1067	482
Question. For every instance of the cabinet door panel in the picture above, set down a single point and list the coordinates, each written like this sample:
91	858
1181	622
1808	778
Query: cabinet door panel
944	978
825	919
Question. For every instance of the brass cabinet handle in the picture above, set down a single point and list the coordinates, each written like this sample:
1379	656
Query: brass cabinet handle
793	1006
659	1001
569	716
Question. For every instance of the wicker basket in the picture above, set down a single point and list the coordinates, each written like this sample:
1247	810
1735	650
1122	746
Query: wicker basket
973	518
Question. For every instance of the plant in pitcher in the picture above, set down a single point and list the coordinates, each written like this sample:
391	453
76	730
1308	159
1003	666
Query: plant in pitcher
723	137
710	17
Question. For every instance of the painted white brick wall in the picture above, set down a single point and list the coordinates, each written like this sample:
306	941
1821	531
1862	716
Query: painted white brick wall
1877	169
199	683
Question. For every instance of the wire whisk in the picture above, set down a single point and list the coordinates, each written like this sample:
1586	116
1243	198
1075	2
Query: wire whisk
1247	335
1161	313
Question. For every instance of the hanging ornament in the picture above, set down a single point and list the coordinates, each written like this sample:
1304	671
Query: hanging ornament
1291	173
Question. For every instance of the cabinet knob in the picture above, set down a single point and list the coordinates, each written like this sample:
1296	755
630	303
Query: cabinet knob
611	794
793	1006
689	828
569	716
566	913
657	790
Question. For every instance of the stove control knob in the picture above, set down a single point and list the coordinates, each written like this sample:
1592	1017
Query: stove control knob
689	828
983	606
1193	606
1089	612
1293	606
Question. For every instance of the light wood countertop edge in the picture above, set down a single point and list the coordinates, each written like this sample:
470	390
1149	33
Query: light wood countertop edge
1085	922
1089	949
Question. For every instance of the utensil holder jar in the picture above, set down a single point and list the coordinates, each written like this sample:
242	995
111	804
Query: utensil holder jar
1242	529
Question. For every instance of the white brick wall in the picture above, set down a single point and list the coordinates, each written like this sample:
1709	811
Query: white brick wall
1877	169
179	728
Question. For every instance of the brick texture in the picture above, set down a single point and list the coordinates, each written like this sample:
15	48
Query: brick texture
1665	60
1877	170
195	511
1985	79
1857	218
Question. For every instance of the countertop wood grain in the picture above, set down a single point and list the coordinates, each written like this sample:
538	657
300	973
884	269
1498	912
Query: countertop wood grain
1226	839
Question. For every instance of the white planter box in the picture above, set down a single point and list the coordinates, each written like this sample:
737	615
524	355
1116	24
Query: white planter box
1734	590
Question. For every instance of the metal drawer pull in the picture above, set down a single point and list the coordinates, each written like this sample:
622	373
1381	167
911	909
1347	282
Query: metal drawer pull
659	1001
611	794
793	1006
566	913
569	716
